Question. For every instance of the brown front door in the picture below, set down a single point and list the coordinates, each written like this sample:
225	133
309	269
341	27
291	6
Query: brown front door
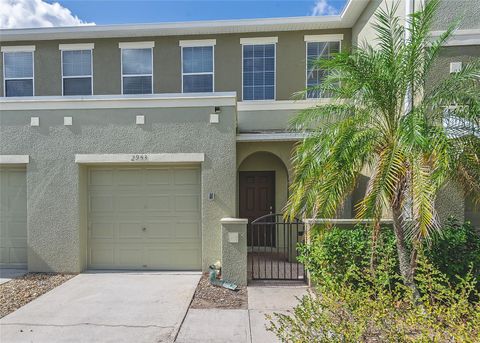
257	198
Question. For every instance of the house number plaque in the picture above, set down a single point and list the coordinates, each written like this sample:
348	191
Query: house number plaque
139	158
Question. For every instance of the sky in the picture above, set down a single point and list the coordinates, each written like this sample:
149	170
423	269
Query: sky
47	13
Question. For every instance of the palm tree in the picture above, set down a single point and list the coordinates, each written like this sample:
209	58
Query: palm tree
385	120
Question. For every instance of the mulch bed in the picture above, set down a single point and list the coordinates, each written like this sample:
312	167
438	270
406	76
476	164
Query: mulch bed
208	296
23	289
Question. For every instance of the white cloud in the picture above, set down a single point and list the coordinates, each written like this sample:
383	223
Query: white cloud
36	13
322	7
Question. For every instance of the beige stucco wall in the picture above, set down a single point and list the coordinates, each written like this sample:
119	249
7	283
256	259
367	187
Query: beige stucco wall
363	31
56	185
290	62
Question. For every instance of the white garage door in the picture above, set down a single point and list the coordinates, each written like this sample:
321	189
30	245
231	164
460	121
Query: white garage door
13	217
144	218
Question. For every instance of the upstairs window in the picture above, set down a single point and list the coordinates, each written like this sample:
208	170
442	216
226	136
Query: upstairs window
77	72
197	66
18	70
319	47
258	68
137	67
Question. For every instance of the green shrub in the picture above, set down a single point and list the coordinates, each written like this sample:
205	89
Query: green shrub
334	253
371	312
455	250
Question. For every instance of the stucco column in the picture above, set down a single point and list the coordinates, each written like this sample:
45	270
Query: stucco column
234	250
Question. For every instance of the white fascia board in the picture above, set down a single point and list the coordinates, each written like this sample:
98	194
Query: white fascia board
258	40
460	37
270	137
145	158
119	101
281	104
78	46
18	48
346	19
197	42
14	159
136	45
323	38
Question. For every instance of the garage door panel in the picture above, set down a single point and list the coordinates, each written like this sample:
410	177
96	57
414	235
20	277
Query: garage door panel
131	231
17	230
99	177
159	176
160	229
160	202
102	256
191	230
187	177
13	217
130	257
174	258
99	203
128	177
164	200
100	230
190	203
18	255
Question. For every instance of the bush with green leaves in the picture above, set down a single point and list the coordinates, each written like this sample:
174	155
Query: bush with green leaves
334	252
456	250
368	311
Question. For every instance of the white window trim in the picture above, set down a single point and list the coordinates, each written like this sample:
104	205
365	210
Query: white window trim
323	38
136	45
258	40
129	46
306	57
274	74
5	79
198	42
18	48
74	47
202	73
77	76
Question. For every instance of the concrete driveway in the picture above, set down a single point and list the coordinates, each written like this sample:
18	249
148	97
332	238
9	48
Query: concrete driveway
105	307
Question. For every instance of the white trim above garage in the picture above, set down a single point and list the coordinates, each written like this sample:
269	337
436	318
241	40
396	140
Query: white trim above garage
141	158
281	104
14	159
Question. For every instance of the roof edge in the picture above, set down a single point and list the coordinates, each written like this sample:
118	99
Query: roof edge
346	19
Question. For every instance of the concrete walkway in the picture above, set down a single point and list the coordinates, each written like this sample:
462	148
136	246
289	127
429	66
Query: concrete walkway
6	274
105	307
239	326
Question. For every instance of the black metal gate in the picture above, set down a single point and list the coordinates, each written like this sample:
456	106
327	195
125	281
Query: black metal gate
272	248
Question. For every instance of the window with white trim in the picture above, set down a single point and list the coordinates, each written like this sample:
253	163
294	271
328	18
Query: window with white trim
258	71
77	75
315	76
197	69
18	73
137	66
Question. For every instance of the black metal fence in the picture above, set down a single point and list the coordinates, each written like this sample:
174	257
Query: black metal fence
272	248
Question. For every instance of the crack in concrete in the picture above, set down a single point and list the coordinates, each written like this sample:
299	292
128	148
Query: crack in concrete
91	324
